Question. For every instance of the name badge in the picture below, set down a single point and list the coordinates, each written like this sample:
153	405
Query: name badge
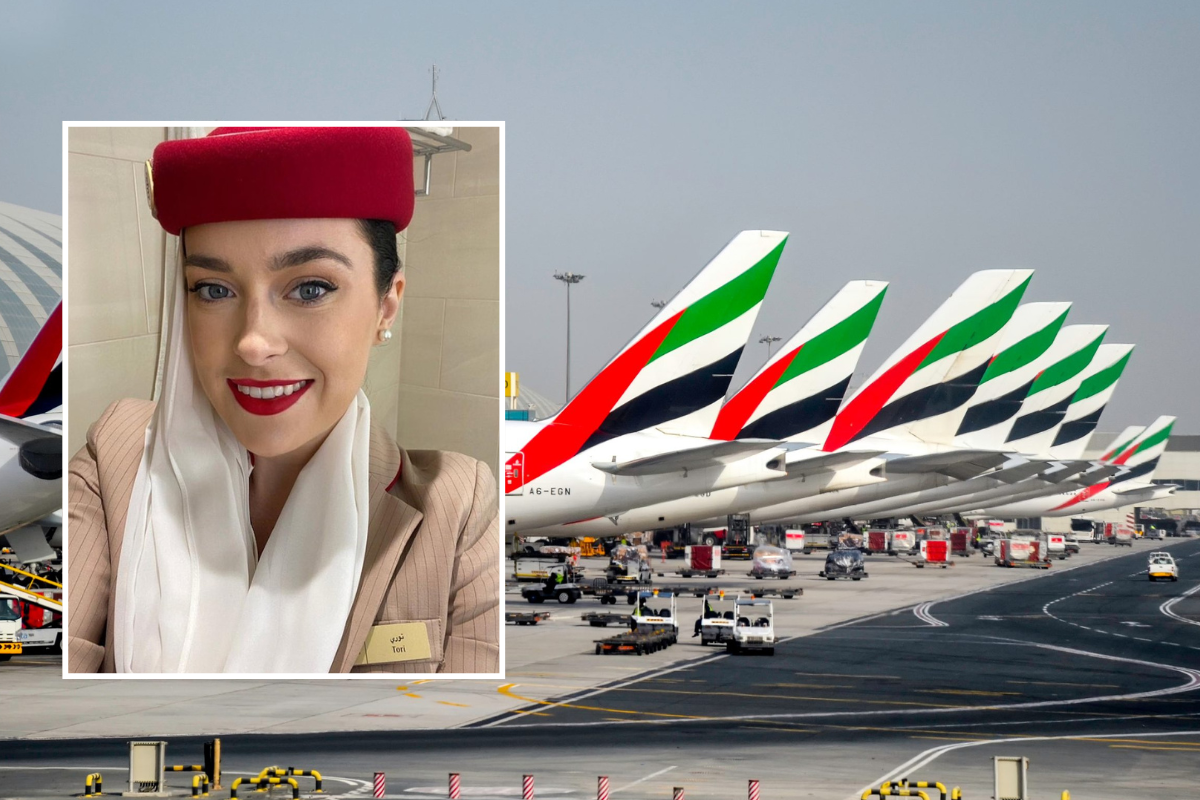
401	641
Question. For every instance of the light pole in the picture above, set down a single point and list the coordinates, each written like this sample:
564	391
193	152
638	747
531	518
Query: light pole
568	278
768	341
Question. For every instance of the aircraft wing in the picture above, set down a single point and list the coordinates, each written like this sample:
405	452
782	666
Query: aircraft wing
18	431
823	462
1019	472
709	455
960	464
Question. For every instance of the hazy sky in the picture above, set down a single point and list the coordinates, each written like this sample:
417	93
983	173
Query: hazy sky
911	142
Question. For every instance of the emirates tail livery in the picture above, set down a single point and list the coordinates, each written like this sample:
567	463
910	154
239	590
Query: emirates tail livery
793	398
637	433
1131	485
910	409
31	457
1035	473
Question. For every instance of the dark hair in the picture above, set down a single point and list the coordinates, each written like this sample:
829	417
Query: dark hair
381	236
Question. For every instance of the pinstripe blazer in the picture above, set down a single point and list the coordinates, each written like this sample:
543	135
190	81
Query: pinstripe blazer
432	549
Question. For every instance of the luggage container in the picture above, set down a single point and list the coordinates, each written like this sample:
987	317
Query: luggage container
960	542
903	543
1020	553
935	552
1056	546
771	562
703	560
793	539
879	541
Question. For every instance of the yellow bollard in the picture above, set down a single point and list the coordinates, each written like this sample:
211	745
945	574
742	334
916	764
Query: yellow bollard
199	780
96	781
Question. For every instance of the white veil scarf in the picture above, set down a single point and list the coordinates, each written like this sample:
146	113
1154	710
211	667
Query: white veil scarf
192	596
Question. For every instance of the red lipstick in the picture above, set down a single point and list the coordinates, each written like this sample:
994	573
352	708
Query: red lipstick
265	406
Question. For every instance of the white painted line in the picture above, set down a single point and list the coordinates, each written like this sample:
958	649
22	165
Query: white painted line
1166	607
640	780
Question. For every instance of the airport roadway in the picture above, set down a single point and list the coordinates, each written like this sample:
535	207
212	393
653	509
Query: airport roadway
1090	670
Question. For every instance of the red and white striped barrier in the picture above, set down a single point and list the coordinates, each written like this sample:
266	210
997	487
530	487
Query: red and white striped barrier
677	794
527	787
752	791
455	786
602	788
380	784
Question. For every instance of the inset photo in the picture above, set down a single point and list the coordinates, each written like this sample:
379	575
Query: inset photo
283	399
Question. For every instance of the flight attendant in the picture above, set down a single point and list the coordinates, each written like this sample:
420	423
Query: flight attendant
254	520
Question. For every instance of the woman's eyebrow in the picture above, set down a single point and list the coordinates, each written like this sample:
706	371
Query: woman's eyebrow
303	255
207	262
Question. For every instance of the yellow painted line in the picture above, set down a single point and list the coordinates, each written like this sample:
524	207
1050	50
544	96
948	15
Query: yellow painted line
844	675
789	697
914	730
775	728
1148	747
507	688
417	683
414	696
448	703
944	738
531	713
969	692
1085	685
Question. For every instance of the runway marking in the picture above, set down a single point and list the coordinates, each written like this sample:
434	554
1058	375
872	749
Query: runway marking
775	728
506	690
410	694
922	613
702	693
922	760
646	778
846	675
969	691
1051	683
448	703
801	686
1166	607
1143	741
1147	747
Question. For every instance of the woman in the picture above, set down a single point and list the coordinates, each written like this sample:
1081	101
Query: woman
253	520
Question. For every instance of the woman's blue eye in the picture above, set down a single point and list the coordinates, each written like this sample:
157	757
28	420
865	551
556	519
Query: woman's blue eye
312	291
211	291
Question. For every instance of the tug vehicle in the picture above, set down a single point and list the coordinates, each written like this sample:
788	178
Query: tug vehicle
755	628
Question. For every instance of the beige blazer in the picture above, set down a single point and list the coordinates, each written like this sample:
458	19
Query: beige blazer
432	549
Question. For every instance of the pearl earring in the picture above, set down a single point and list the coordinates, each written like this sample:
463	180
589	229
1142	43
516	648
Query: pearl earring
386	335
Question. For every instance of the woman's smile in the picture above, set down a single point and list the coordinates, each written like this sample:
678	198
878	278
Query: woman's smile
267	397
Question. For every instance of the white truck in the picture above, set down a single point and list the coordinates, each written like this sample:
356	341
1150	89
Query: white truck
717	619
654	609
1162	567
755	627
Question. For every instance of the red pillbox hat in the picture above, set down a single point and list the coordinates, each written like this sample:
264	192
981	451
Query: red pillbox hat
282	173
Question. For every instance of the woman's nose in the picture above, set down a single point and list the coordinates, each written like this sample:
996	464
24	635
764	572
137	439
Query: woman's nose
261	337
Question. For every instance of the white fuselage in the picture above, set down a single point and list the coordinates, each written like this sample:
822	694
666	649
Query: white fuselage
576	490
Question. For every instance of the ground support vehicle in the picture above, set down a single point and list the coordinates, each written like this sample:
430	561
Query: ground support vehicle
41	638
701	560
844	564
960	542
717	619
628	564
1020	553
771	562
10	626
531	567
1162	566
1072	545
637	643
793	540
691	590
820	540
654	610
526	617
755	628
602	619
1121	537
561	585
608	595
934	553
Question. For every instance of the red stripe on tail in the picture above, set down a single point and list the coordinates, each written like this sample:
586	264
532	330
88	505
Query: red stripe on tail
866	404
27	380
734	414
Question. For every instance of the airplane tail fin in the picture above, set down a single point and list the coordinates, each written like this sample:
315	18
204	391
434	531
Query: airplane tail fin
935	371
1009	375
675	372
1142	456
796	394
35	384
1060	376
1099	382
1122	443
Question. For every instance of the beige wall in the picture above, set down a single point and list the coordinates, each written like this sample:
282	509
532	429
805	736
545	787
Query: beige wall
434	386
450	373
